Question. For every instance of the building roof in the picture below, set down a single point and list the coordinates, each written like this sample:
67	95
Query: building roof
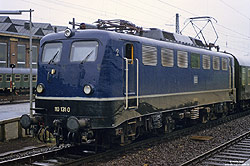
7	27
21	27
5	19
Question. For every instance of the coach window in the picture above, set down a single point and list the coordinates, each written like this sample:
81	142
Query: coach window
195	60
8	76
216	63
1	78
26	78
130	52
224	64
182	59
206	62
243	78
21	49
34	78
167	57
17	77
3	54
84	51
248	74
149	55
51	52
248	78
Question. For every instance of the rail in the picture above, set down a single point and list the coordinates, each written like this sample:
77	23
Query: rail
199	159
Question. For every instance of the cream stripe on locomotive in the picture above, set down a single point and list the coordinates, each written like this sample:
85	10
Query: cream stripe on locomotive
130	97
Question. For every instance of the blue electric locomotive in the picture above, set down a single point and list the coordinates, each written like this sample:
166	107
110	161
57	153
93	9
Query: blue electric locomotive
107	86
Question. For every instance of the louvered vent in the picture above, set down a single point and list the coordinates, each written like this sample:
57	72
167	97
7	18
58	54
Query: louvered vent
224	64
182	59
206	62
216	63
167	57
149	55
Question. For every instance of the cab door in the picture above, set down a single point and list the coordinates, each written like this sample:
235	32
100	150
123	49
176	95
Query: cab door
131	77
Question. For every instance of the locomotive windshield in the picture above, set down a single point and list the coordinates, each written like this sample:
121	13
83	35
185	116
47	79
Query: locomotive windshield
84	51
52	52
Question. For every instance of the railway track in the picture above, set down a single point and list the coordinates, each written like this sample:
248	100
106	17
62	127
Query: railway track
77	155
233	152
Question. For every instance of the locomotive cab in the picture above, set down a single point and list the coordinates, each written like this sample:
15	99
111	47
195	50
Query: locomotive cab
74	89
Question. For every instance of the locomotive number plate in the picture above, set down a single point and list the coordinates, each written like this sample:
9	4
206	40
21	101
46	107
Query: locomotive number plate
62	109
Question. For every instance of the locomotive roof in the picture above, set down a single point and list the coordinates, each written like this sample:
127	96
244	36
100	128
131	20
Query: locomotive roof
106	35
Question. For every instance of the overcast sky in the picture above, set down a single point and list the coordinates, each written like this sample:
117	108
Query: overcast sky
233	16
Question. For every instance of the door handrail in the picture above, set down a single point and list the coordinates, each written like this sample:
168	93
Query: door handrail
137	84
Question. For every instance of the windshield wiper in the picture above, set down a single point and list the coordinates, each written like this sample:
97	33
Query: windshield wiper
52	59
85	59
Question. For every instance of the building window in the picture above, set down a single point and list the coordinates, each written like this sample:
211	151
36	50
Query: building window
3	55
216	63
167	57
34	56
206	62
182	59
149	55
243	78
224	64
21	49
195	60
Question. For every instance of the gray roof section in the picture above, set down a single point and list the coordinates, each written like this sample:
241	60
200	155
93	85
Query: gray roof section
46	26
5	19
35	31
16	27
19	22
7	27
60	28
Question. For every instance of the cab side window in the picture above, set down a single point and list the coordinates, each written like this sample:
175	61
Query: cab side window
129	53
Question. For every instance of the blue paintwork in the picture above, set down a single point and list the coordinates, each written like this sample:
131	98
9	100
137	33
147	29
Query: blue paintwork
106	74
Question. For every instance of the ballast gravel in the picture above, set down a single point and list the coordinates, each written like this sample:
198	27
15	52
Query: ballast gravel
176	152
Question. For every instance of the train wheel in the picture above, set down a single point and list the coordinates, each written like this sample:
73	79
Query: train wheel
169	124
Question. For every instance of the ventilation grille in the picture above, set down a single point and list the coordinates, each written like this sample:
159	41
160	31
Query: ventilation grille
149	55
224	64
216	63
167	57
182	59
206	62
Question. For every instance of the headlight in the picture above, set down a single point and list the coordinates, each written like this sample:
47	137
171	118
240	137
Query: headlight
40	88
87	89
68	32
